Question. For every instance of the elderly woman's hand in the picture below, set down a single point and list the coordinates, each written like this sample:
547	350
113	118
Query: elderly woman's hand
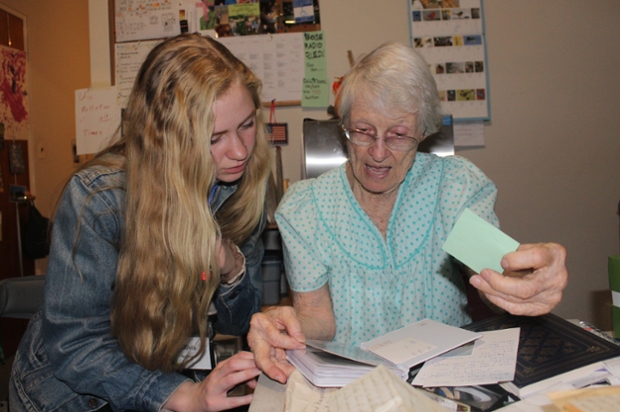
532	284
271	333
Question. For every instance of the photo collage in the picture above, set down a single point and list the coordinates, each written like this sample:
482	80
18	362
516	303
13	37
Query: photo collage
449	35
246	17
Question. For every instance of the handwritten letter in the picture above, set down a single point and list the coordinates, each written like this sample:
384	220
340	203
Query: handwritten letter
493	360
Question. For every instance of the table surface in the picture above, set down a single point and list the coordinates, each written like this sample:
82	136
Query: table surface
269	396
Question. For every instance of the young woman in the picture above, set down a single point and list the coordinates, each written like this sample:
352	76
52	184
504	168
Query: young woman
155	228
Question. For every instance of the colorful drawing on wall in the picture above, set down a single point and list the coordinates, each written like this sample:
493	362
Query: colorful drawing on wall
206	15
14	112
244	19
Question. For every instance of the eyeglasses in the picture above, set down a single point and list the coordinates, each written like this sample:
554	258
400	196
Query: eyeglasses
394	141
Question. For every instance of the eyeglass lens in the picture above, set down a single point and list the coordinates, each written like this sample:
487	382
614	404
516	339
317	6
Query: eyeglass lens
395	142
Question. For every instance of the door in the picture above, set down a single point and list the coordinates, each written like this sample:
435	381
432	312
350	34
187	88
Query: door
14	117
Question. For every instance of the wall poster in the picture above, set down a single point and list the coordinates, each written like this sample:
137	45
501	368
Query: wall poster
450	35
267	35
14	106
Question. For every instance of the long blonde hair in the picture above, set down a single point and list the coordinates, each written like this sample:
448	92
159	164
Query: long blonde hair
170	233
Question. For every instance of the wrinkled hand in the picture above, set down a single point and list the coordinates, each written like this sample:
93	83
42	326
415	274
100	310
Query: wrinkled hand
271	333
533	280
210	395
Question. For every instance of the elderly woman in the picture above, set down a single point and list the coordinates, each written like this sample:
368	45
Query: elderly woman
363	242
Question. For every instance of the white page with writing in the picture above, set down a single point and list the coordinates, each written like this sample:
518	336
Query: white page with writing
493	360
419	342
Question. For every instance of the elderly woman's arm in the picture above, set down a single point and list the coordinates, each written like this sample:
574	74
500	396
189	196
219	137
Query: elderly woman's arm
532	284
315	313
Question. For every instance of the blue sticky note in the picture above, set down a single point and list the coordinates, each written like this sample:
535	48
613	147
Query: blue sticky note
477	243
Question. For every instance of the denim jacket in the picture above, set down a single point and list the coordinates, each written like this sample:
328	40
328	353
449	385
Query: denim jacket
68	359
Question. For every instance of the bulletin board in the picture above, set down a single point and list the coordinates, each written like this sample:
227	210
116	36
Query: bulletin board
267	35
280	40
450	35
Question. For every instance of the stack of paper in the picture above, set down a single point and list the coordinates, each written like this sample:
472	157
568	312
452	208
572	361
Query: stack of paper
324	369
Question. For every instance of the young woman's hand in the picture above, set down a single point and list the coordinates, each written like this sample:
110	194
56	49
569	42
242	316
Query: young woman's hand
230	260
210	395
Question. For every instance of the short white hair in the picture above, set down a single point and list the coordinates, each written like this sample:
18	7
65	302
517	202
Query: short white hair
399	78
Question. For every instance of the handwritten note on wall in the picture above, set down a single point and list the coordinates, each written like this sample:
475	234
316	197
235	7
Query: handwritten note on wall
97	117
315	84
315	92
129	58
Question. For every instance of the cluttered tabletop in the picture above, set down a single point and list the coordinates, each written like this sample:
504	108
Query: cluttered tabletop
508	363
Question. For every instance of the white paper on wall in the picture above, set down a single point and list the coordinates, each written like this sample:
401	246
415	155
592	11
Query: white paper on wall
129	58
146	19
97	118
469	134
278	60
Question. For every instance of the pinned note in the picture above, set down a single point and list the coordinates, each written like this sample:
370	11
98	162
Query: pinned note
477	243
315	93
316	86
97	117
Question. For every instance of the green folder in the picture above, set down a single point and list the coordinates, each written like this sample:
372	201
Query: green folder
613	268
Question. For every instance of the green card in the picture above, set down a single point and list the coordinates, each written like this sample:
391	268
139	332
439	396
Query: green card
613	267
477	243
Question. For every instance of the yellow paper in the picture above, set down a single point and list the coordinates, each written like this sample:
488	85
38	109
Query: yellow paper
601	399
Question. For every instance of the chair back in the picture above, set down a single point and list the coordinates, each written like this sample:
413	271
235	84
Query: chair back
325	146
21	297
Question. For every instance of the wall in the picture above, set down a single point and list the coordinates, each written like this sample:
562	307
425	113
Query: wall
554	141
58	53
552	146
